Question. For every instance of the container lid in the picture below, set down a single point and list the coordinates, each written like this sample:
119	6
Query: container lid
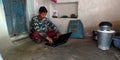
105	23
105	31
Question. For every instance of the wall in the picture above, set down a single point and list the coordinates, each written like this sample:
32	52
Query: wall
64	1
66	8
62	23
92	12
29	11
5	42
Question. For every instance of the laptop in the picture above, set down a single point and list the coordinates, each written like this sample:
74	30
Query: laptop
61	40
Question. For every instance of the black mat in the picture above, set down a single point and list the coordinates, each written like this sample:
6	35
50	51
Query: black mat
61	40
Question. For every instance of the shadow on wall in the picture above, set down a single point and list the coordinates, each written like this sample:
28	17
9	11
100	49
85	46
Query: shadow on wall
116	25
88	30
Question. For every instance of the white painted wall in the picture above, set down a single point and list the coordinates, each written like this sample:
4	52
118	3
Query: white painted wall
66	8
5	42
29	11
66	1
62	23
92	12
1	57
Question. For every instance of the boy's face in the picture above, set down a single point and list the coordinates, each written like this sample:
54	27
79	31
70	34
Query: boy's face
42	15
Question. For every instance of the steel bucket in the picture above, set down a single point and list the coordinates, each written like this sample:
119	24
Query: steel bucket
105	39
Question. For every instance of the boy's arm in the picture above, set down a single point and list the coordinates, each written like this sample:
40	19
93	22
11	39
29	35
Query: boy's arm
52	26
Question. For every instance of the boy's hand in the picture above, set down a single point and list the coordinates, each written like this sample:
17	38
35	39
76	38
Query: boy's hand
57	35
49	39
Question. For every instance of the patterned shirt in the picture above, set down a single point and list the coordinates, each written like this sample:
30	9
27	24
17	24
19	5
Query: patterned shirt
42	26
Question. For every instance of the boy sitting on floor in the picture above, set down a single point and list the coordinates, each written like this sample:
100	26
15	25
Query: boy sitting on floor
42	29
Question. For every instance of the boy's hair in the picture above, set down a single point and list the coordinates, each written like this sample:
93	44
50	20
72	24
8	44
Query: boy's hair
42	9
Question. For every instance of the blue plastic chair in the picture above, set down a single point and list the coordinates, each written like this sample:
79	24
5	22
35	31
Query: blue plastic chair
76	27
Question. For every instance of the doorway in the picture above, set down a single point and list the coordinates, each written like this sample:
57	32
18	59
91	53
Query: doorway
15	17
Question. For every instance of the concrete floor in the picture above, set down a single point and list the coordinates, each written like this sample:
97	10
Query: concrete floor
74	49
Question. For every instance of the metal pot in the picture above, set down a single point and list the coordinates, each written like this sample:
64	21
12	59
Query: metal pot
107	28
105	39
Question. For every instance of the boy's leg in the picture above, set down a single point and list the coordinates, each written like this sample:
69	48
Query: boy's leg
36	37
51	34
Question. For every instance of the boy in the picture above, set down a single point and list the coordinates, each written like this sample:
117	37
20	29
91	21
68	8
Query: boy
42	28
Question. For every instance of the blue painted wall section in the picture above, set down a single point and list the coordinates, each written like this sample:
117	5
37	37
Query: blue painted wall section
0	2
15	16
